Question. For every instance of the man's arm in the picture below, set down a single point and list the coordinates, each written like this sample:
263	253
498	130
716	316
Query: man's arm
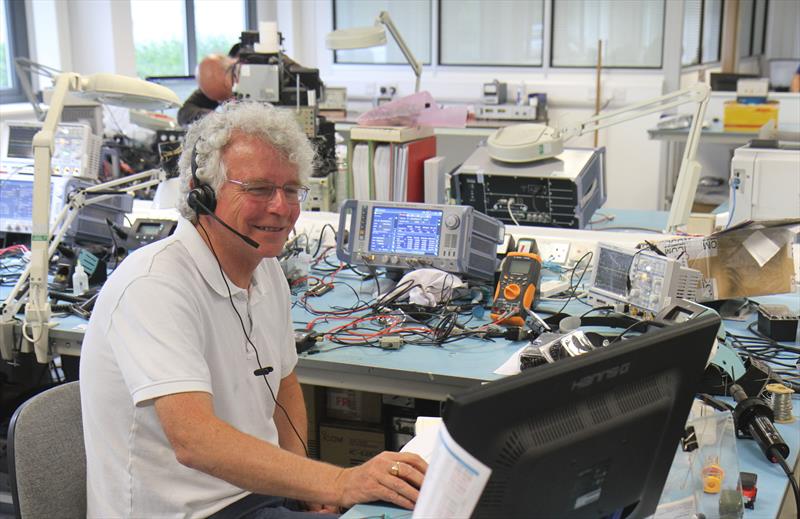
290	397
206	443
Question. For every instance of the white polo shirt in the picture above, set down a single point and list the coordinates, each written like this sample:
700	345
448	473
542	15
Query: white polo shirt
163	324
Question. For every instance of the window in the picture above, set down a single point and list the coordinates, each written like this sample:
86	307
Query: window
745	28
159	41
759	22
171	36
692	25
702	30
632	33
413	21
712	30
218	25
518	43
13	44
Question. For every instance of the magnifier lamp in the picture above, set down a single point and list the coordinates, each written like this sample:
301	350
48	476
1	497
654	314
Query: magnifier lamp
530	142
105	88
373	36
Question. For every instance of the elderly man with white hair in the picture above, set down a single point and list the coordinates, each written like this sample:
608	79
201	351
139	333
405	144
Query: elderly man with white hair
175	422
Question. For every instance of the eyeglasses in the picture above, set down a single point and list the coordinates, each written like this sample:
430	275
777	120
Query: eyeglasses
265	191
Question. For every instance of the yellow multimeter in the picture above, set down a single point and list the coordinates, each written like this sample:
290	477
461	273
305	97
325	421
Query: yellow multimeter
520	274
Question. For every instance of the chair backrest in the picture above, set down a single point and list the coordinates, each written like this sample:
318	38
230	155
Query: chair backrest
46	455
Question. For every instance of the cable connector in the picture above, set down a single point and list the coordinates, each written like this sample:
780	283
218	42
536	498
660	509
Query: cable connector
391	342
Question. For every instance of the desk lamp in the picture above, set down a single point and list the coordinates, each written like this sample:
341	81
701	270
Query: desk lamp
530	142
105	88
373	36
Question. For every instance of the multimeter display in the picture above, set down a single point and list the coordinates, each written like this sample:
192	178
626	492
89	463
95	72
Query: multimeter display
520	273
519	267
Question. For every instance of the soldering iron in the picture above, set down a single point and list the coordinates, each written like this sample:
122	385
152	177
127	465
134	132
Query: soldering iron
754	417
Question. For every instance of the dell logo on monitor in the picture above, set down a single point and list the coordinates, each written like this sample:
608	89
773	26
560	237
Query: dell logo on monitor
600	376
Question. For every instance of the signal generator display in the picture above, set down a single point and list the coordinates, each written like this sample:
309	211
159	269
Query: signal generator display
407	235
403	231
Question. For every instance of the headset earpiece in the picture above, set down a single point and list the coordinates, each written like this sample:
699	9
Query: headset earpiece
201	198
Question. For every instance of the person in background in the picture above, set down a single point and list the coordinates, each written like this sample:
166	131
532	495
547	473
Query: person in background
795	86
190	403
215	82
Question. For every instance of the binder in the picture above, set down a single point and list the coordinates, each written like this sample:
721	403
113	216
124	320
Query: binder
367	174
417	152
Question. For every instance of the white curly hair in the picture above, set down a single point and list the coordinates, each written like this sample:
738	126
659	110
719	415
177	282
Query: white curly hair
212	133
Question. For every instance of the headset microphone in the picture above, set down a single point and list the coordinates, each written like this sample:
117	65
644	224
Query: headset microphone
193	200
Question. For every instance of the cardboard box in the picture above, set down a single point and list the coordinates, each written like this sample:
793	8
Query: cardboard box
749	117
314	397
351	405
348	446
750	259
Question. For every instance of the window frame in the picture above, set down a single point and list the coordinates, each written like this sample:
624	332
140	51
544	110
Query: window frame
439	46
552	24
16	19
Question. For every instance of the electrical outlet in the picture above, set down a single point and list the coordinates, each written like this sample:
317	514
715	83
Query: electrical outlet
386	91
579	250
556	252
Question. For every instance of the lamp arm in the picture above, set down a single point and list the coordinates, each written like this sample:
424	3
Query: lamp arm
386	20
69	212
689	173
37	310
697	93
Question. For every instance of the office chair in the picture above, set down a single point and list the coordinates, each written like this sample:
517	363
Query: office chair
46	456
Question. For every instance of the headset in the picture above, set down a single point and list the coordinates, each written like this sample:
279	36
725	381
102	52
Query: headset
202	199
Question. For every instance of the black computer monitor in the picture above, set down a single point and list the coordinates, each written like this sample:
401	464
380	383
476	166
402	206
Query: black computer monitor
588	436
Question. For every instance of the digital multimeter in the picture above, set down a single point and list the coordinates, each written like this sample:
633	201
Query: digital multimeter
520	273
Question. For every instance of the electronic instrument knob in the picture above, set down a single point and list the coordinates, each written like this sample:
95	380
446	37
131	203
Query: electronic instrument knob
452	221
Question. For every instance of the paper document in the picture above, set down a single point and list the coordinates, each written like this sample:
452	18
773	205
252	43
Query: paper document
511	366
426	433
453	483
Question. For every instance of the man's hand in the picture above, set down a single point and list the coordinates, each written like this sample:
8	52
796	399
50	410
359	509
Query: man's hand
395	477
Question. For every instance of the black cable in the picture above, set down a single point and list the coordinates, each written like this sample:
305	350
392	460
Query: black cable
596	309
788	471
321	234
247	336
571	277
626	330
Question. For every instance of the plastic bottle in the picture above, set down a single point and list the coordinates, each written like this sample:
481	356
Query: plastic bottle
80	280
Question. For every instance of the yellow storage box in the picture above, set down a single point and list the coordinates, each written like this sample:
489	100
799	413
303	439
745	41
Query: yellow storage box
749	118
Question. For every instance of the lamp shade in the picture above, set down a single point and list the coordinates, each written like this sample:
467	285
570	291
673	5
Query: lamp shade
127	91
356	38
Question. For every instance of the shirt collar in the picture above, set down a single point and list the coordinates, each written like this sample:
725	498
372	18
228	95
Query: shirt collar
207	264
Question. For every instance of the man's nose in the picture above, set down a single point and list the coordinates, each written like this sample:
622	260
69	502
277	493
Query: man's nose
279	202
